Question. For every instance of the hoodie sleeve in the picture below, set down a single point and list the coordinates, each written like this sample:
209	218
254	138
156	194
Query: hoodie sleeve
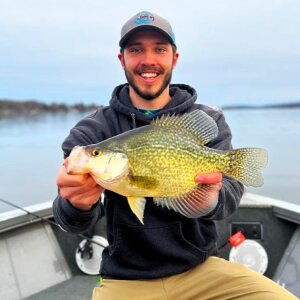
87	131
232	190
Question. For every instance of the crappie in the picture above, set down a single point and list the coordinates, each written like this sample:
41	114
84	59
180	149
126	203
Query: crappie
161	160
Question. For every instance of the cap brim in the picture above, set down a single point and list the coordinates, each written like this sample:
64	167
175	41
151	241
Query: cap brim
126	37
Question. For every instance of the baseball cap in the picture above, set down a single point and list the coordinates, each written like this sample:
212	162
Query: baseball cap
146	20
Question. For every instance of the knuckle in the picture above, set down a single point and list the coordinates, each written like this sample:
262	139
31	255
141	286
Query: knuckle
60	177
82	180
64	193
59	181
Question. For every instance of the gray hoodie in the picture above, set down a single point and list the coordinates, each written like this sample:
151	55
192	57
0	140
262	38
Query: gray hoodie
168	243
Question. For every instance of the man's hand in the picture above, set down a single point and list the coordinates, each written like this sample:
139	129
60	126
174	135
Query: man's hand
212	178
81	190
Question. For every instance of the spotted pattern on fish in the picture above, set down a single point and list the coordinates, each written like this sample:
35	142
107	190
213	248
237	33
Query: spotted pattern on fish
161	160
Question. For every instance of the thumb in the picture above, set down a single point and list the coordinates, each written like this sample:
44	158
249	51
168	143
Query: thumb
209	178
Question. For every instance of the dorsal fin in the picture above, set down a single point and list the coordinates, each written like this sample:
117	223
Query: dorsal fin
197	123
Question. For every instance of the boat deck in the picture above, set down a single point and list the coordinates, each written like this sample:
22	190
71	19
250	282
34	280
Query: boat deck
38	259
31	261
79	287
35	265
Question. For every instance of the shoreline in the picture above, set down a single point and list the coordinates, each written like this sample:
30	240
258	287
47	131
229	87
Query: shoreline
28	108
14	108
289	105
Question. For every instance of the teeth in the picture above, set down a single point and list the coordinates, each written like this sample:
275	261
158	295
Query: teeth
148	75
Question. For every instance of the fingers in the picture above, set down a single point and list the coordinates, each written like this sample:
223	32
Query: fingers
85	189
87	200
211	178
216	188
81	190
65	179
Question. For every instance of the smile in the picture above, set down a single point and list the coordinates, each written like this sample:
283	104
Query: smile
149	75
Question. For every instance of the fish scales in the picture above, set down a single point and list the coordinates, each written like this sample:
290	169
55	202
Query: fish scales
163	153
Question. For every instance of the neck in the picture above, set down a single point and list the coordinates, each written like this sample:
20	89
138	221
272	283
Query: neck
162	100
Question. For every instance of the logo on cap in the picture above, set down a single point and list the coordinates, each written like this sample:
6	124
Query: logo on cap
144	18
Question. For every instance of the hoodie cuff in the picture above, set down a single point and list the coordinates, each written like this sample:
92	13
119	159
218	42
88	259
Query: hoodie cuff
76	213
74	220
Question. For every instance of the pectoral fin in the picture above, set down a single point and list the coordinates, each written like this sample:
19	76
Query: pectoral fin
137	205
143	182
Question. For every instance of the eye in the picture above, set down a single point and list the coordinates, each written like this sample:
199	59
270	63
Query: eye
160	50
135	50
96	152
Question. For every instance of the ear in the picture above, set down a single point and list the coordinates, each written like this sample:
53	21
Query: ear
175	59
121	59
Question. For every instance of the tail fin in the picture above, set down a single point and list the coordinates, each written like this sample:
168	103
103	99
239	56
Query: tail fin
246	165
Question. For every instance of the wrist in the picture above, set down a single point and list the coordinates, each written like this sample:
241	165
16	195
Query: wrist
82	207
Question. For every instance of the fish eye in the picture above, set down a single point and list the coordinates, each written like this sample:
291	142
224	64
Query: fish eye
96	152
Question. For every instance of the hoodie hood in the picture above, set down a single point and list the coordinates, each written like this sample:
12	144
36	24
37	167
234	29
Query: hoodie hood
182	98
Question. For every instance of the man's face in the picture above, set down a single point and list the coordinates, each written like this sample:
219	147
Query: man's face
148	61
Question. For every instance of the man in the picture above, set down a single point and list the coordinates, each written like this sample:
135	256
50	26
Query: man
170	256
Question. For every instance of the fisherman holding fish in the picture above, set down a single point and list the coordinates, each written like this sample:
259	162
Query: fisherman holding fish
167	170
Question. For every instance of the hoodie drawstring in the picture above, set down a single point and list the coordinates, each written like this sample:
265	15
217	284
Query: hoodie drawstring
133	120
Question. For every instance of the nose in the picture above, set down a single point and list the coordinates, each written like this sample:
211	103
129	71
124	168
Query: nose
148	58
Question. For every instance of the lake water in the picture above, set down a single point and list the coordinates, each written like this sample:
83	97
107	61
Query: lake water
30	153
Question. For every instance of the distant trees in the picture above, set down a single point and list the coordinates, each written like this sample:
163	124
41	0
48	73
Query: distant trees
32	107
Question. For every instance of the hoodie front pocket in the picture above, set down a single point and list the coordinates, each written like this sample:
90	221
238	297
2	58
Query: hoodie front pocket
147	249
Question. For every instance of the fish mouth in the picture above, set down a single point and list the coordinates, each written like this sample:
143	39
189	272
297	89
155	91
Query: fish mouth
76	162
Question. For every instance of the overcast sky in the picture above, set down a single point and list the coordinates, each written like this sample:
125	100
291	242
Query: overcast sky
231	51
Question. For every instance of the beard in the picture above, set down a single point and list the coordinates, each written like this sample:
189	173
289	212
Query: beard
148	95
